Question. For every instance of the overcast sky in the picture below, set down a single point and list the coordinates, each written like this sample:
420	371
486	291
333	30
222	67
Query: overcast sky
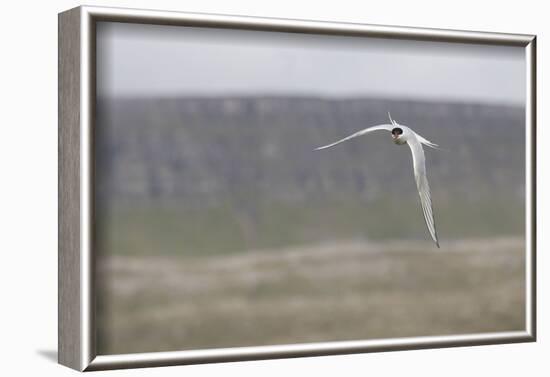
149	60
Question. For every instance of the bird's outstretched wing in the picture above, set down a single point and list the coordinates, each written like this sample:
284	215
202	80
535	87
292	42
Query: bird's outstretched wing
387	127
419	166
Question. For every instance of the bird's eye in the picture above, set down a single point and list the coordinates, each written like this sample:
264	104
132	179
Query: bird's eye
397	131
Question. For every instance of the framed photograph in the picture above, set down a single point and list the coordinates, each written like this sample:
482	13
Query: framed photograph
236	188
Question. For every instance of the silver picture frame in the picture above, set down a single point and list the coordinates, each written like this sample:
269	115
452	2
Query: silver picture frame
77	77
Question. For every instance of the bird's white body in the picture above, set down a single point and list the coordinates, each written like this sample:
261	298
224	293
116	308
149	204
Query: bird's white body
400	141
404	135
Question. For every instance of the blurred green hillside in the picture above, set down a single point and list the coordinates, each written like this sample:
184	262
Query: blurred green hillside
208	175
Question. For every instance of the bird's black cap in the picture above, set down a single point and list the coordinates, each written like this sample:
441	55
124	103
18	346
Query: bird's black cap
397	131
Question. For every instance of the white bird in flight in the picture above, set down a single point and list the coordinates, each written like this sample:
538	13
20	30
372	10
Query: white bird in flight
404	135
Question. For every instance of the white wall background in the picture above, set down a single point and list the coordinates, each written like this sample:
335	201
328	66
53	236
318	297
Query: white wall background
28	189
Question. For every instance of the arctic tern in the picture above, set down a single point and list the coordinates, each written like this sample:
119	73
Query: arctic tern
404	135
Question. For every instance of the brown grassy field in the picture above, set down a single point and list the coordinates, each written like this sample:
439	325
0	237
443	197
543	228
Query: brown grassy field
328	292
